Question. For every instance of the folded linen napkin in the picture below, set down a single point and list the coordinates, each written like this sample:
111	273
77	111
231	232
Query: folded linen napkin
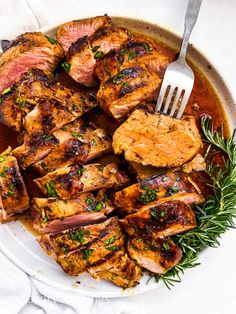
19	293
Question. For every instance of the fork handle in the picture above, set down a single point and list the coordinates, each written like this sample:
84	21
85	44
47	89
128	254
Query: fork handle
190	20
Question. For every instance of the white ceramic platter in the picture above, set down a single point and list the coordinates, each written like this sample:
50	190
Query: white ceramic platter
21	247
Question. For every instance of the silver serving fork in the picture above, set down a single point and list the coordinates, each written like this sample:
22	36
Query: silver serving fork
179	77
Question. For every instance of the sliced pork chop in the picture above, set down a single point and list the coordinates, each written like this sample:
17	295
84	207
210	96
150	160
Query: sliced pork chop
163	187
55	215
70	32
129	88
157	140
13	195
26	52
160	220
157	256
66	182
82	55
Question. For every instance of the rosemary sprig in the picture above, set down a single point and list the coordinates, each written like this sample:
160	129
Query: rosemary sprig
216	215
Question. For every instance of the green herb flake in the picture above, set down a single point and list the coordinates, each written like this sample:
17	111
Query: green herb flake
17	100
2	159
178	179
50	189
82	97
164	179
11	193
166	245
95	48
77	236
172	190
163	213
23	103
88	201
5	169
132	55
98	55
80	171
30	73
45	219
66	66
52	40
125	84
147	47
112	248
87	253
6	91
139	240
153	213
98	207
64	250
2	174
0	100
93	142
110	240
75	134
148	196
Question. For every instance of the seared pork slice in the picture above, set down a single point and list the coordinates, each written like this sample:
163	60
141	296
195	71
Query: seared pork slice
143	172
136	50
80	248
26	52
70	32
67	182
36	146
196	164
157	256
160	220
157	139
55	215
78	144
129	88
82	55
162	187
124	272
31	89
13	195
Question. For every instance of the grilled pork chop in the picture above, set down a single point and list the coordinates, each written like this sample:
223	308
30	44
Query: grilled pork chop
55	215
13	195
31	90
82	55
70	32
163	187
129	88
160	220
157	140
67	182
157	256
26	52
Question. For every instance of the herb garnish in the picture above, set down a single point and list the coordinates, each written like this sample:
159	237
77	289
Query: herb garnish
98	207
2	159
6	91
23	103
50	187
45	219
80	171
215	216
75	134
98	55
112	248
78	235
110	240
148	196
88	201
87	253
66	66
166	245
52	40
132	55
95	48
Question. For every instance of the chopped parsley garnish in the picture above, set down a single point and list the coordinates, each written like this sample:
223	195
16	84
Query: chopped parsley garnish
164	179
132	55
82	97
11	193
2	159
117	79
87	253
110	240
23	103
45	219
80	171
47	137
17	100
178	179
95	48
98	207
7	90
139	240
112	248
125	84
78	235
52	40
147	47
88	201
148	196
66	66
2	174
166	246
153	213
93	143
4	168
0	100
75	134
65	250
30	73
163	213
172	190
50	188
98	55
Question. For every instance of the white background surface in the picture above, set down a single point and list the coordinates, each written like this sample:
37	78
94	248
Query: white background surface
212	288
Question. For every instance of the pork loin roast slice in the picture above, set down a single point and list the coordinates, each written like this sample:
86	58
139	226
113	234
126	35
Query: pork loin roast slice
66	182
157	139
160	220
82	55
30	50
13	195
162	187
70	32
55	215
157	256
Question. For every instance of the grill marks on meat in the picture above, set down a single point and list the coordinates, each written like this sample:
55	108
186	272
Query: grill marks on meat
13	195
157	140
26	95
98	248
70	32
26	52
67	182
130	87
83	54
55	215
160	220
163	187
157	256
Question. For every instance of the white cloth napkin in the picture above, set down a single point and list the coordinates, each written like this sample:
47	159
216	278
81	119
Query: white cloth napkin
19	293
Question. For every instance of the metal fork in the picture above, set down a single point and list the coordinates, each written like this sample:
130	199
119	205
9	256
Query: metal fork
179	77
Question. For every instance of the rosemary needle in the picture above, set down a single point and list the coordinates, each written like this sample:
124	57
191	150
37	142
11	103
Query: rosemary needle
216	215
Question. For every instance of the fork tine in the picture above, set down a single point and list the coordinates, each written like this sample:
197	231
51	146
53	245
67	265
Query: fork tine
183	104
161	97
175	103
168	100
